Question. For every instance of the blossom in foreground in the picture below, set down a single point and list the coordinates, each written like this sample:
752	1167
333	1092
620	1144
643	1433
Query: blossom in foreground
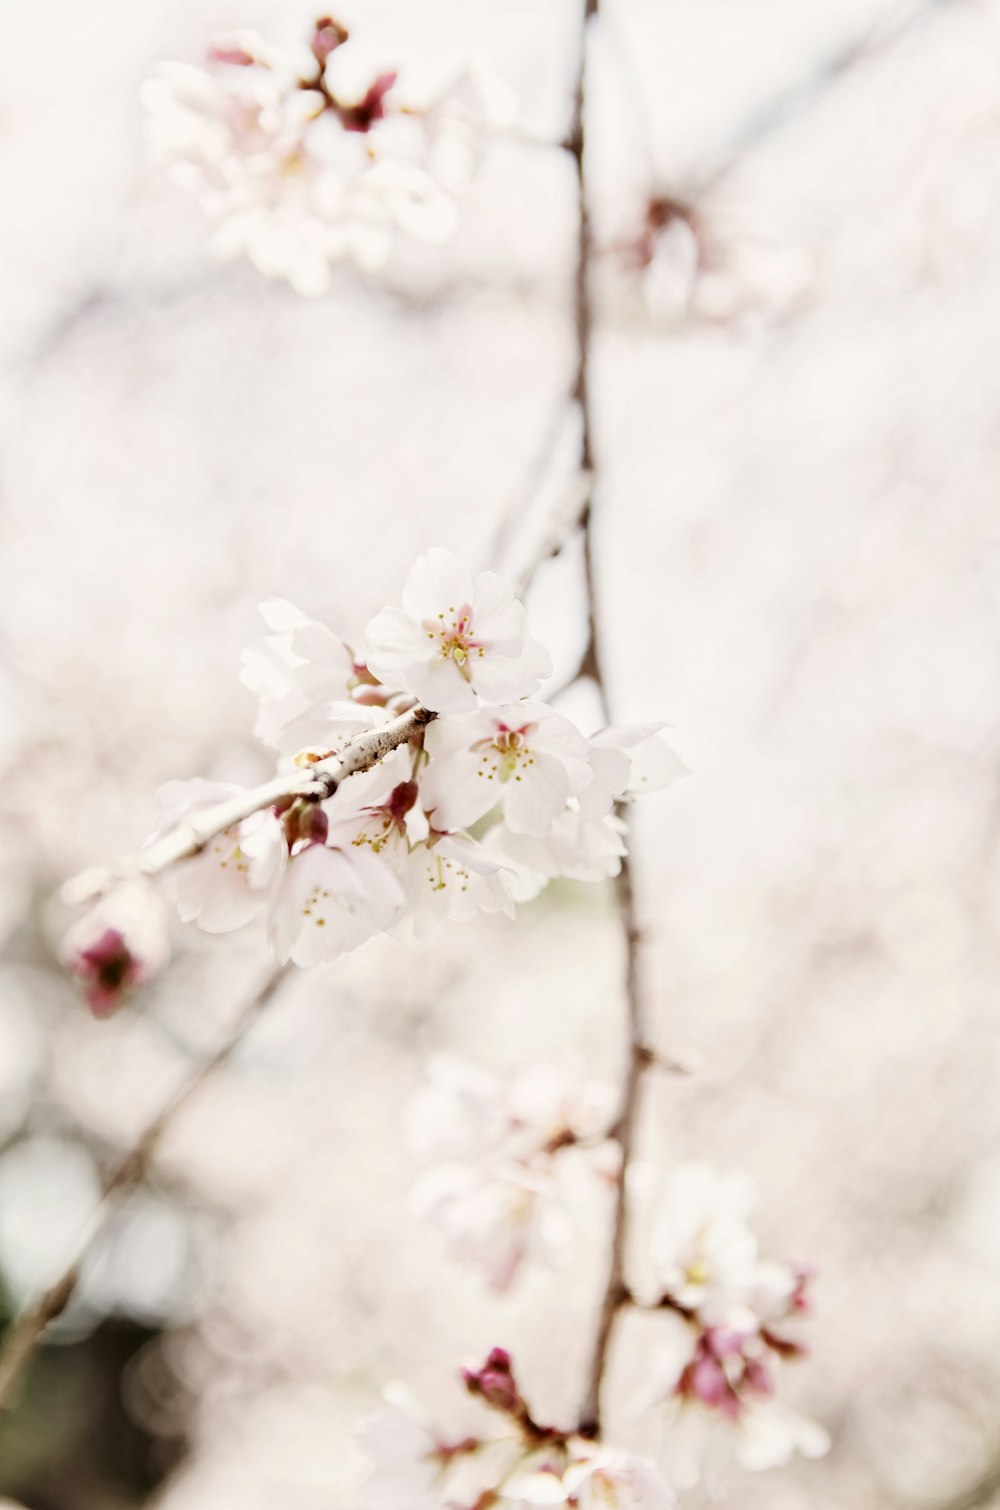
299	161
515	1462
456	639
389	850
492	1185
732	1322
118	947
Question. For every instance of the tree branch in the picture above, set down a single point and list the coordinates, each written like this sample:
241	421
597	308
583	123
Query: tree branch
616	1293
25	1333
189	838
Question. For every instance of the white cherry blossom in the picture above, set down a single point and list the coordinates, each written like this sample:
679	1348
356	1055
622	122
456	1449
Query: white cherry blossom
521	755
231	881
704	1252
628	762
456	639
591	1476
330	901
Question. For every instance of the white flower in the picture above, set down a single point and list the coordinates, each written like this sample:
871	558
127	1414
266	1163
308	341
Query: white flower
451	876
120	945
628	762
303	676
495	1216
577	848
298	169
406	1458
704	1252
704	1445
522	755
455	639
331	901
591	1476
231	880
554	1102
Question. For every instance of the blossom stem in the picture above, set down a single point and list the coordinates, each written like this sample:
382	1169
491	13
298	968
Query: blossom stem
26	1332
190	837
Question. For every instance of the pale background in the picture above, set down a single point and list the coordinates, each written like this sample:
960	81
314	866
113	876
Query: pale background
798	546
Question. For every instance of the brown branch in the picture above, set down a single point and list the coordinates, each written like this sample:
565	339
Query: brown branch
616	1292
26	1332
190	837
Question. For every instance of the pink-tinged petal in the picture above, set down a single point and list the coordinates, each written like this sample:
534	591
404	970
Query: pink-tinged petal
535	797
497	616
393	643
441	686
438	582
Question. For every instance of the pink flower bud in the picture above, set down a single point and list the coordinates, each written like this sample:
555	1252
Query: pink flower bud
495	1383
119	946
327	37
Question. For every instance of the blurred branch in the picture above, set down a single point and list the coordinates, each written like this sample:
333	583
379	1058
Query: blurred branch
190	837
25	1333
615	1292
809	91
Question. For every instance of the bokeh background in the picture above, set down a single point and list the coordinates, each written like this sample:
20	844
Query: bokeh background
798	542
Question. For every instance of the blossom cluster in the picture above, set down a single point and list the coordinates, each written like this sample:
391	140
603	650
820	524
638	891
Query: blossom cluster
518	1465
298	162
392	849
495	1154
733	1321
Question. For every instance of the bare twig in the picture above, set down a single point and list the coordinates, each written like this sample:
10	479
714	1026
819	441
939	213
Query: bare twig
799	97
26	1332
615	1292
315	782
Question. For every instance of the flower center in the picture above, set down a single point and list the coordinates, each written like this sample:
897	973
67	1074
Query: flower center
506	755
454	634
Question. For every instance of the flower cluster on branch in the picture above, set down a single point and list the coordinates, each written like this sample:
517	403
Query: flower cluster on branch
389	846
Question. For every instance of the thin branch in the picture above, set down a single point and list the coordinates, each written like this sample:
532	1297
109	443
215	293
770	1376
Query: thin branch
189	838
25	1333
799	97
615	1293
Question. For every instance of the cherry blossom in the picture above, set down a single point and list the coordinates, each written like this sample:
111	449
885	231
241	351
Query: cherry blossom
456	639
733	1320
299	162
517	1462
120	945
494	1187
232	879
522	755
304	676
330	901
628	762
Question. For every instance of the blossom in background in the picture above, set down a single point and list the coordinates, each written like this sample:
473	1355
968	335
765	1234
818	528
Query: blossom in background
515	1463
119	946
732	1321
389	850
493	1183
456	639
301	161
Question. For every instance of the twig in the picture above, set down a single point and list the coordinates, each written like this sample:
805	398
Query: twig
26	1332
615	1292
318	781
801	96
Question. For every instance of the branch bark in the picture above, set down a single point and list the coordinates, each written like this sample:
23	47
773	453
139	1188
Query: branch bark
615	1295
25	1333
317	782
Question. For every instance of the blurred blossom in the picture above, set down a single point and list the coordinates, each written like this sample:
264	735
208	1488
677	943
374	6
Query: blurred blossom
300	161
517	1462
733	1320
494	1187
120	945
